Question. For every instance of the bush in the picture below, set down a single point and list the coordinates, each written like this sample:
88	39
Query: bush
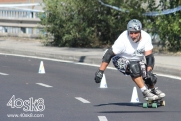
167	26
87	23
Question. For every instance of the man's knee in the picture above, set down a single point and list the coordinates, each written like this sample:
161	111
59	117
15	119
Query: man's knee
134	69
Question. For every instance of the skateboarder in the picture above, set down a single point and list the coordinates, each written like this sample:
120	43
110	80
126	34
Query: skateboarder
127	54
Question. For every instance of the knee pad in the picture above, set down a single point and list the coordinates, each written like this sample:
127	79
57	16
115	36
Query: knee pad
134	69
151	81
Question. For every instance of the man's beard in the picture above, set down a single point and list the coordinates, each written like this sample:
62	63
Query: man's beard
136	39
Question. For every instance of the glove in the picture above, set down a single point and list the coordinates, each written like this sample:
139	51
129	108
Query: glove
98	76
149	74
151	78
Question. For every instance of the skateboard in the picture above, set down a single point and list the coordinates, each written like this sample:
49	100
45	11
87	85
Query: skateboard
154	103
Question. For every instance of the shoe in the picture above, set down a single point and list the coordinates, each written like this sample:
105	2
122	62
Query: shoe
148	95
158	92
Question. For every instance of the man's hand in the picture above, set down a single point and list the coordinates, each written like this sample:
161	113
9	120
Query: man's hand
149	74
151	78
98	76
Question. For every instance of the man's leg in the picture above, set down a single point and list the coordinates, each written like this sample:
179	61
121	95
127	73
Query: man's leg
138	81
150	81
146	93
136	73
123	65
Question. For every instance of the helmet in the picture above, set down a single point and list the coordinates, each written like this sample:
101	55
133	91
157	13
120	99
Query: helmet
134	25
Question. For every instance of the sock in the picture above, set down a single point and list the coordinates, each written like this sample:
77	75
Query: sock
143	89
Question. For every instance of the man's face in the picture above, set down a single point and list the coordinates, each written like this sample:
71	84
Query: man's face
135	35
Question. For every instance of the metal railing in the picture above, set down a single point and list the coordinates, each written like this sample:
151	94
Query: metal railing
19	22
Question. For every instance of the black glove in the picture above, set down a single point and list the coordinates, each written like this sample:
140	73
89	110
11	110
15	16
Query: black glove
151	78
98	76
149	74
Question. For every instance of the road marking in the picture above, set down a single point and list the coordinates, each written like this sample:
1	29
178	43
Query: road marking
3	73
169	76
82	100
93	65
102	118
45	85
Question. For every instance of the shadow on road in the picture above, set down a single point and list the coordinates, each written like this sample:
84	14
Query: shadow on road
153	111
132	112
122	104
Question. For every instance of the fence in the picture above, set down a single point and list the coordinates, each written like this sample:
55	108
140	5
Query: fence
17	22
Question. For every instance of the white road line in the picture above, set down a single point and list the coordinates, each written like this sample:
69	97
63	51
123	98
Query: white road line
102	118
45	85
169	76
3	74
58	60
82	100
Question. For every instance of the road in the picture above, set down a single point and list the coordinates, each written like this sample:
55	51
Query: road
67	92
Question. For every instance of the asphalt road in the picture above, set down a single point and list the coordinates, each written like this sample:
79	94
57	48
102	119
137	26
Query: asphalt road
68	93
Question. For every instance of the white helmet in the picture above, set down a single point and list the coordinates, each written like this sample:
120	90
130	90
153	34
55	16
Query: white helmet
134	25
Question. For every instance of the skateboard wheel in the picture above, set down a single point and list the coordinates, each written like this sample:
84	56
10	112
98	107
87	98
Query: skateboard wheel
154	105
162	103
145	105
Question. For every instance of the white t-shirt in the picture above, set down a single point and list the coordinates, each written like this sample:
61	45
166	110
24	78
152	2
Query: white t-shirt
125	47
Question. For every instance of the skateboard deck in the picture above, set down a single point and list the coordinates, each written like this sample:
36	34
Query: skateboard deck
154	103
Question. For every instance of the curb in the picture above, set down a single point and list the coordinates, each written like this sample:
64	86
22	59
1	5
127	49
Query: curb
85	59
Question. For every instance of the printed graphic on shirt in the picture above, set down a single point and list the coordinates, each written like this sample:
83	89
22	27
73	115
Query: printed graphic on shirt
139	52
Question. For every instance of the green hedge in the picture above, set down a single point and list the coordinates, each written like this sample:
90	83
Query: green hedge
87	23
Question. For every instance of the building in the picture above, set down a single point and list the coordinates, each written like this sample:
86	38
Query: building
18	1
19	19
23	2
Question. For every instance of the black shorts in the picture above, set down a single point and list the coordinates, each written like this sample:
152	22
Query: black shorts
121	64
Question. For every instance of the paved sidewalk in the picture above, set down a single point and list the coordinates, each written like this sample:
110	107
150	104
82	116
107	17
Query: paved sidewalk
165	64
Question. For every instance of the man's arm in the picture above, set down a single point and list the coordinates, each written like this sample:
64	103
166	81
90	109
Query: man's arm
105	62
150	61
106	59
103	66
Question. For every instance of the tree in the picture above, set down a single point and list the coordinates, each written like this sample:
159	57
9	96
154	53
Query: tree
88	23
167	26
85	23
